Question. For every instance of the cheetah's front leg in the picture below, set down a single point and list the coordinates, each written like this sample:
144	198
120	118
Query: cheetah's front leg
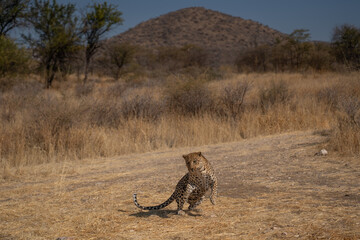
183	198
213	191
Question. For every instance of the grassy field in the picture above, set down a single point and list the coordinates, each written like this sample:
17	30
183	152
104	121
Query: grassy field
269	188
260	132
105	118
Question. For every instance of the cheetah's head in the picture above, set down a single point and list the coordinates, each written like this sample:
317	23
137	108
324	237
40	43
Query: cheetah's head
194	161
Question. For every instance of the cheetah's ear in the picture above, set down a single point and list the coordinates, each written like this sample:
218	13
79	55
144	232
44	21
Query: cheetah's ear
199	153
184	156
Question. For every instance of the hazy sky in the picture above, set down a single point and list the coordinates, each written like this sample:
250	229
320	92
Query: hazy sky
319	16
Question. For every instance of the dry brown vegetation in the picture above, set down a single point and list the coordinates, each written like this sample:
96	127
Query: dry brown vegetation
112	118
269	188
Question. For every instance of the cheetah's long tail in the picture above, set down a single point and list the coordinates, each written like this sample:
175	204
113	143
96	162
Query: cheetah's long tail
164	204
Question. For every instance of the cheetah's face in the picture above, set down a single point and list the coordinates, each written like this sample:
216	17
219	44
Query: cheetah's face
194	162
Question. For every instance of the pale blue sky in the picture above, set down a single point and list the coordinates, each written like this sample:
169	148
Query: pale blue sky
319	16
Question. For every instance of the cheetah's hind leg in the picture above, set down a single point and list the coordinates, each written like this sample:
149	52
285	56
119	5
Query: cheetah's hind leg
196	198
193	205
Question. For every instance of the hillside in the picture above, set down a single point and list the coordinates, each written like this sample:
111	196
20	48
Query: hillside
224	36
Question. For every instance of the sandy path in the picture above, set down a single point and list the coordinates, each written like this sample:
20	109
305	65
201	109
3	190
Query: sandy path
269	188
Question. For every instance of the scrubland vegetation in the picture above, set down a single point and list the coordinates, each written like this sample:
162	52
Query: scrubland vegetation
107	118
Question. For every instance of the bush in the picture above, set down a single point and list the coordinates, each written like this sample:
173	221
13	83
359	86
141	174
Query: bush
346	46
115	90
174	59
85	89
329	96
143	107
189	97
346	135
13	61
19	97
254	60
320	58
277	93
351	107
48	122
105	113
232	100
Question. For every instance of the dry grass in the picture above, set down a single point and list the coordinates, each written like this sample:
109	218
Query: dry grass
106	119
269	188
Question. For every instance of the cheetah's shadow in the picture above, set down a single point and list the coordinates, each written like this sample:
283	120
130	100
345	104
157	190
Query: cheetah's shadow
161	213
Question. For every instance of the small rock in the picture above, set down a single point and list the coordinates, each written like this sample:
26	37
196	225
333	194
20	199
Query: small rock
322	152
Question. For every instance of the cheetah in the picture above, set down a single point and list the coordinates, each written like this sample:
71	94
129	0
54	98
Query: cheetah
192	186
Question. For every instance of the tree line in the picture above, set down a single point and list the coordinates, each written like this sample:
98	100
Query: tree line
296	52
62	40
58	33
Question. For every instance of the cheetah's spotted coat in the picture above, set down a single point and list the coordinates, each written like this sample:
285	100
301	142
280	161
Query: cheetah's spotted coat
192	186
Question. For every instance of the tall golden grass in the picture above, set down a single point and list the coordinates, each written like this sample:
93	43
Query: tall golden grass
103	119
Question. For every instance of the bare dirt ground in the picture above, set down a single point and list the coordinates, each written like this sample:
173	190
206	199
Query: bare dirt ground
269	188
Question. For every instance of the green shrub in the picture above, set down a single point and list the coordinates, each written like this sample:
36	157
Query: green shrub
13	61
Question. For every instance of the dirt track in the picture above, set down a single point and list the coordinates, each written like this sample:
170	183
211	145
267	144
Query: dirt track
269	188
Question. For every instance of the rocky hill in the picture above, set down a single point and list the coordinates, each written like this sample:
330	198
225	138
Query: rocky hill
222	35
